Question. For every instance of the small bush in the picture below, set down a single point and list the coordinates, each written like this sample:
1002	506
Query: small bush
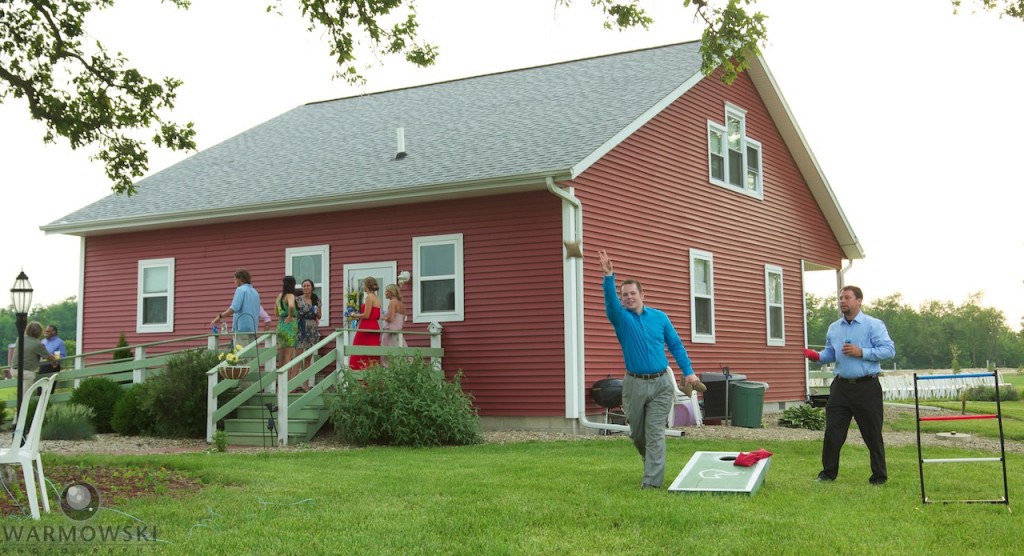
1007	393
220	440
130	417
3	415
177	399
404	404
803	417
68	421
122	352
101	394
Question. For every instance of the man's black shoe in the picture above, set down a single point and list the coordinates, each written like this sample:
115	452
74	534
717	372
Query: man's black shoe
877	482
823	478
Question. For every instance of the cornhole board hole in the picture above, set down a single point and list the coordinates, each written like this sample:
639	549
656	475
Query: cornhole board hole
715	472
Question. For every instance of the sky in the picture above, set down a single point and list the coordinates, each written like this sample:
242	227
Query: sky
912	112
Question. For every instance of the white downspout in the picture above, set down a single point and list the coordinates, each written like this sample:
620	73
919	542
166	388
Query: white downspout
572	273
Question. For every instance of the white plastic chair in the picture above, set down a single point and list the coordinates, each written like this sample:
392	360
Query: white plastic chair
26	454
678	398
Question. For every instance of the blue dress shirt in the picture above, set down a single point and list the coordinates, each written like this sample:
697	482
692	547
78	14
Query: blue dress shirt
865	332
246	305
644	336
55	345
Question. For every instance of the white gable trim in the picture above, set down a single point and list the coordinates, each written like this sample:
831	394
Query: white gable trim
782	116
636	124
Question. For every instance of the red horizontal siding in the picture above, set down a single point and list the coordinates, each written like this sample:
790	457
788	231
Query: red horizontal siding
649	201
510	345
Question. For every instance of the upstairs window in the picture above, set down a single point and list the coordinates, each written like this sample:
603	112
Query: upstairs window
734	160
155	308
774	306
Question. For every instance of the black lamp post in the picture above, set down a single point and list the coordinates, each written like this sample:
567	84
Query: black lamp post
21	298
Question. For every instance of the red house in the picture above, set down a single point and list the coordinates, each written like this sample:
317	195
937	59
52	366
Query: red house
480	187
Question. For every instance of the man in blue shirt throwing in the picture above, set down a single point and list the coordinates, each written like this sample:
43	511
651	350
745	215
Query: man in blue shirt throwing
857	343
647	389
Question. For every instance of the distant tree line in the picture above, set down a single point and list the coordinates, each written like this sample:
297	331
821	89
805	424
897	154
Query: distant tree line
63	314
937	335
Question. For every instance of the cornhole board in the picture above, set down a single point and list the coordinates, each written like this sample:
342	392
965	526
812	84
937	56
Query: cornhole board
716	472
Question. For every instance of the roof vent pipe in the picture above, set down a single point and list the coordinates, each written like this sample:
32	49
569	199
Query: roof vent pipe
400	151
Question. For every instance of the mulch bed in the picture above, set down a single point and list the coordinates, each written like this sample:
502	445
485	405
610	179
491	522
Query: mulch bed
115	484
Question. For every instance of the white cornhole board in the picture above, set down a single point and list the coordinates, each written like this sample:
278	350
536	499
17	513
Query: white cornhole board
716	472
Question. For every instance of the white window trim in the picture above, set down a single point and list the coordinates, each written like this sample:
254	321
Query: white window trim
140	327
695	337
712	126
745	141
759	193
325	286
768	271
458	315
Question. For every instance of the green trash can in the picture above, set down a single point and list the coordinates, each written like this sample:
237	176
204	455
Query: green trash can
746	403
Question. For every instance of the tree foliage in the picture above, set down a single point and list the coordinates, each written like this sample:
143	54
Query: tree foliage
936	333
91	97
81	91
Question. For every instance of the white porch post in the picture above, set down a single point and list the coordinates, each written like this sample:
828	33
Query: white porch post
137	374
435	342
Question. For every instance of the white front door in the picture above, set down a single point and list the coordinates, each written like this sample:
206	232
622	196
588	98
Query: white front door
384	272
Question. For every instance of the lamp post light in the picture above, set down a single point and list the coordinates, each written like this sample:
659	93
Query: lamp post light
21	298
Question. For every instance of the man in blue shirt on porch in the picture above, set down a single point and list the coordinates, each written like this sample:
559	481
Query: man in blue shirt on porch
245	309
647	389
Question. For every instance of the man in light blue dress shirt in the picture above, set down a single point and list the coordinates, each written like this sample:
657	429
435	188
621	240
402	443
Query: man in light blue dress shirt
244	309
857	343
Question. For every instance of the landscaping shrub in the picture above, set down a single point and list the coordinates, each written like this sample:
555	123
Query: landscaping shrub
1007	393
130	418
803	417
101	394
123	351
176	398
404	404
3	415
68	421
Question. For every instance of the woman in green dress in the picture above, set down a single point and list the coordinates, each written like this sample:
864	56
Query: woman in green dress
287	331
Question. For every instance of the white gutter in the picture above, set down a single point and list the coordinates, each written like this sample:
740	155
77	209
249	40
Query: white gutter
572	291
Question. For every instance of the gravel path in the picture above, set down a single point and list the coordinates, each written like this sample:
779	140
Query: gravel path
117	444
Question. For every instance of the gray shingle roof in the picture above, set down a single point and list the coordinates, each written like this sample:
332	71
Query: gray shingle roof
492	127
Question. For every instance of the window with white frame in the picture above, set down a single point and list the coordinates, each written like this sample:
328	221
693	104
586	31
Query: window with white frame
702	297
155	309
734	160
437	278
311	263
774	306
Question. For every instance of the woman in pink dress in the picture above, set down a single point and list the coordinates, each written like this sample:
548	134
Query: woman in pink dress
394	319
369	314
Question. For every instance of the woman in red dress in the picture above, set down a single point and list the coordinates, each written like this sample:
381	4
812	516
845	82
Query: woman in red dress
369	315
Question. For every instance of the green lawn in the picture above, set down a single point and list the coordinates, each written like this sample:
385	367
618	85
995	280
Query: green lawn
556	498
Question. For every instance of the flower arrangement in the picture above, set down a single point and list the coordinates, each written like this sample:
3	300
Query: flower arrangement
352	299
231	357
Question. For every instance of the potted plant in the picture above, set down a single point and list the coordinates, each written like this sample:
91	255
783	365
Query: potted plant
234	368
